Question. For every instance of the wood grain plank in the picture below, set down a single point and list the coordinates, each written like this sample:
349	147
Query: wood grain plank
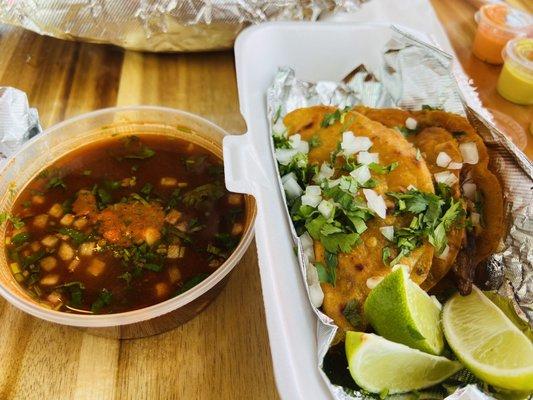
97	368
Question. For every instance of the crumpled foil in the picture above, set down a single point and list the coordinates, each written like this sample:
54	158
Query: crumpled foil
159	25
415	73
18	122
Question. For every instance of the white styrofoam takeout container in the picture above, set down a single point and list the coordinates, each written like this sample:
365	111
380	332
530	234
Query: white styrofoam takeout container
317	51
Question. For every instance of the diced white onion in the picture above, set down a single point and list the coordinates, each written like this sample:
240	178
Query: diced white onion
334	182
325	172
443	159
363	143
279	128
301	146
290	175
313	190
326	208
372	282
291	186
412	187
388	232
475	218
353	144
361	174
444	254
375	202
469	190
312	201
284	156
308	247
348	143
446	177
311	274
312	196
469	152
348	183
365	157
411	123
295	140
316	295
455	165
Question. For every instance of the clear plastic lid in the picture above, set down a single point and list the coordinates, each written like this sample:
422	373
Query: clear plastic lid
508	19
519	51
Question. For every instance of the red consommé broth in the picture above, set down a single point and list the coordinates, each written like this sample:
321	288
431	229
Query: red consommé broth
122	224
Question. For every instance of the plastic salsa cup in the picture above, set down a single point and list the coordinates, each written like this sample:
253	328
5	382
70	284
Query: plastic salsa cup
497	24
516	78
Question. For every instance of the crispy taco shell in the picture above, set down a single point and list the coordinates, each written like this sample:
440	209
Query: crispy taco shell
365	262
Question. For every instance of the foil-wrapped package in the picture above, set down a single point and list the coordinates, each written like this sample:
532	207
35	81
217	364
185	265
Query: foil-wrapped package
159	25
18	122
414	73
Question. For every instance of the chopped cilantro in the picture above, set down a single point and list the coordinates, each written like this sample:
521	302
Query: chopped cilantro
380	169
20	238
314	142
281	142
56	182
75	290
144	153
277	114
77	237
146	190
16	221
337	115
33	258
104	299
428	107
190	283
327	272
127	277
434	216
385	255
406	131
174	199
153	267
351	313
203	193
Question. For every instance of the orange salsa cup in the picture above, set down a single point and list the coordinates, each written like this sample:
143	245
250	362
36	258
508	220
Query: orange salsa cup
497	24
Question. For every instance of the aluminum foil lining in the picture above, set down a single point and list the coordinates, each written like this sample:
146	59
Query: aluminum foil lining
414	73
18	122
160	25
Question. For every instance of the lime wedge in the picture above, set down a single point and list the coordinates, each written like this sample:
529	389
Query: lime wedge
487	342
402	312
379	365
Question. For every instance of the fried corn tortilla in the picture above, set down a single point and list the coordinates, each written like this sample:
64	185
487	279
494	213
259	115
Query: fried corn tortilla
365	262
458	130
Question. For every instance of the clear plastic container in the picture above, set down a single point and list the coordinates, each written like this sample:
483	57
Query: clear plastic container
497	24
516	78
62	138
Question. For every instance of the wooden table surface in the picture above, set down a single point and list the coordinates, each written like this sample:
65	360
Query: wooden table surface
224	352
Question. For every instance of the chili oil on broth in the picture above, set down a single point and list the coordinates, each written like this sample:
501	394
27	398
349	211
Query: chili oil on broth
122	224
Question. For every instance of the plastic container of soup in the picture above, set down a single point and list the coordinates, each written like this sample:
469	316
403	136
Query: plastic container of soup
516	77
62	138
497	24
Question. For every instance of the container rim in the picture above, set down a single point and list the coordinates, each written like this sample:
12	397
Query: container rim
524	18
146	313
515	51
